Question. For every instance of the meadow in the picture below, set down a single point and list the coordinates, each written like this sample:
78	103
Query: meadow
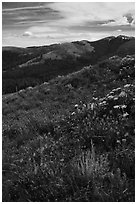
72	138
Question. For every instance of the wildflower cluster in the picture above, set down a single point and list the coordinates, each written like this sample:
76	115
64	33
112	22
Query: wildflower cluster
76	153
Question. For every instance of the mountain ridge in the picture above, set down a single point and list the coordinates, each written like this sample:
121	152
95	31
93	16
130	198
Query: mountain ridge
23	67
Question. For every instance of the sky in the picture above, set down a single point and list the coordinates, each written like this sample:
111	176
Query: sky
41	23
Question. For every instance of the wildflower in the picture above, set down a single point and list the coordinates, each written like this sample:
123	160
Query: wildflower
21	160
122	94
126	134
104	102
111	92
116	106
110	97
125	114
69	86
116	98
127	85
118	141
92	106
20	91
123	106
42	149
95	98
45	83
101	99
29	88
111	175
117	89
118	133
73	113
124	140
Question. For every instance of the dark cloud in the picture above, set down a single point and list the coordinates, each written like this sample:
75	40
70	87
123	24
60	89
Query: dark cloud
14	5
16	14
129	17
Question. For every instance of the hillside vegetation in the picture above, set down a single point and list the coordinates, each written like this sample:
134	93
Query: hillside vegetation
72	138
31	66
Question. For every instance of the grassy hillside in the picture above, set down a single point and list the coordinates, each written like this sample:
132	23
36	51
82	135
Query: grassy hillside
71	139
24	67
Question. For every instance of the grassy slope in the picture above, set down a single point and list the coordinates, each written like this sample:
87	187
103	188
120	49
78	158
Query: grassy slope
47	132
30	66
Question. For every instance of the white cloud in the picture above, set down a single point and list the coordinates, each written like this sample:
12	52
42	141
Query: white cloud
82	12
27	33
119	30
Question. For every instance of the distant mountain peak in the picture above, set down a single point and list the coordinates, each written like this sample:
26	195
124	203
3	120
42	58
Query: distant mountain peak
124	37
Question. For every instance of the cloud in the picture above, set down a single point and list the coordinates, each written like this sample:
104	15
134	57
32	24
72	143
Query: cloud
119	30
80	12
67	21
130	17
121	21
21	8
27	33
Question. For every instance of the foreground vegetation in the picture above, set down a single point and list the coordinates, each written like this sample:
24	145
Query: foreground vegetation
72	139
